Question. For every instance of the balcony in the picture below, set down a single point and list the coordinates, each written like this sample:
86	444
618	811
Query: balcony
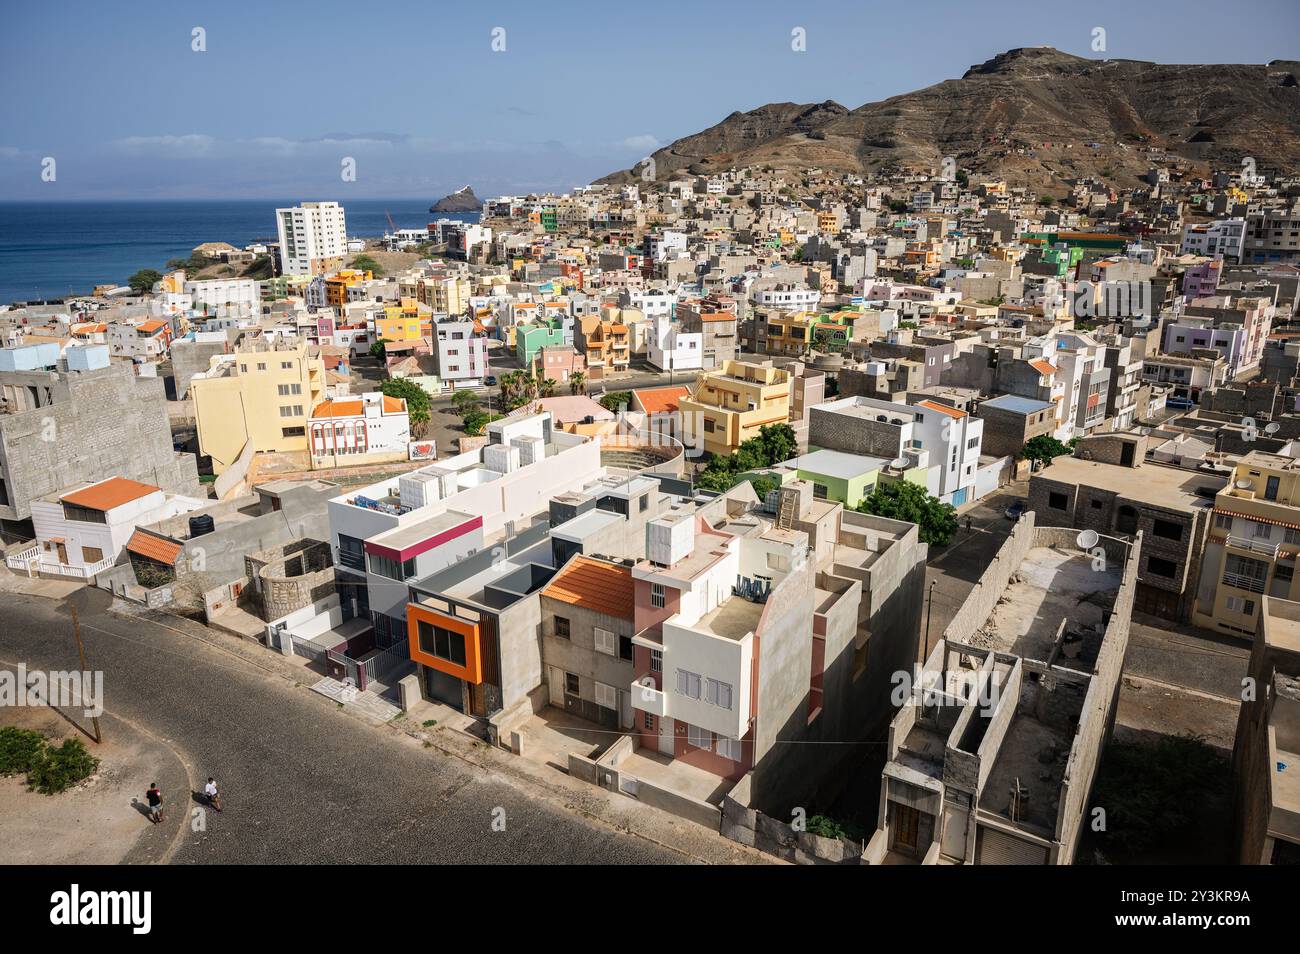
1251	584
1254	546
647	698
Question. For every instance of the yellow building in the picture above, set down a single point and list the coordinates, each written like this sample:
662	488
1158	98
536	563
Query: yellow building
262	394
794	333
337	285
403	322
728	407
1253	541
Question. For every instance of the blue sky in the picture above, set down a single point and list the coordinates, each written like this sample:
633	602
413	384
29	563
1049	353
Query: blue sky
414	92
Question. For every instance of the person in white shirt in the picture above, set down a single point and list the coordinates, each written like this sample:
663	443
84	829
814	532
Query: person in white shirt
213	796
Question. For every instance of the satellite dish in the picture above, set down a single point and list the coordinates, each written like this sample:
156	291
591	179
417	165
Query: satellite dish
1087	539
1272	428
899	462
1243	485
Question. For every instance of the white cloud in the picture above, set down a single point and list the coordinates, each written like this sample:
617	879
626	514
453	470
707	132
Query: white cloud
190	145
643	143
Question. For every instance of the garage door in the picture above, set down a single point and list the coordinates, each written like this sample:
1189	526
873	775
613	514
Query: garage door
996	848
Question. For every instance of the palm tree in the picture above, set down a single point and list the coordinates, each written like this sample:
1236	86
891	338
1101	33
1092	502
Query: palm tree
546	388
577	383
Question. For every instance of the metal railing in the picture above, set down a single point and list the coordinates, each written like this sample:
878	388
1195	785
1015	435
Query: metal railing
1254	546
1252	584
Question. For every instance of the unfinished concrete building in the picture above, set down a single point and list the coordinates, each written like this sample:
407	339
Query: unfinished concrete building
993	756
1266	757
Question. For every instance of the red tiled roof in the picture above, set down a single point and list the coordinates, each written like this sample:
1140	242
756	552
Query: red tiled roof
661	400
943	409
594	585
1043	367
155	548
108	494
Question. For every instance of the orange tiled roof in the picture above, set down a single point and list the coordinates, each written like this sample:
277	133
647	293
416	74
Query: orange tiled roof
718	316
1043	367
594	585
149	327
108	494
154	548
662	400
393	405
337	409
943	409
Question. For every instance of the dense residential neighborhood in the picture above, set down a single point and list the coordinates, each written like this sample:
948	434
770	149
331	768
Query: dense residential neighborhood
797	495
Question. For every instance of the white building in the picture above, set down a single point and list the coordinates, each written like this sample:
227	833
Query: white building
313	238
787	297
82	532
1224	238
668	348
368	429
226	297
461	354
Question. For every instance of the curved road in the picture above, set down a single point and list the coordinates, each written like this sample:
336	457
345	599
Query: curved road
303	781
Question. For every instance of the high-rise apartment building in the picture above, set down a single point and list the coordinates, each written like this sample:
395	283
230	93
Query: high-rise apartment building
313	238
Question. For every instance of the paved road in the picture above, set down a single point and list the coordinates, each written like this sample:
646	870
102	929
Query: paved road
303	781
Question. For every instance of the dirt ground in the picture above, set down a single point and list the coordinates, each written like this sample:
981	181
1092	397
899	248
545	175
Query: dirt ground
102	821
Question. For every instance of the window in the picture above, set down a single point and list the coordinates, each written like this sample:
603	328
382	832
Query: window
561	627
729	748
688	684
606	642
700	738
1160	567
261	365
1057	501
657	595
1167	529
1223	522
83	514
352	553
91	554
293	432
1283	571
288	365
571	684
1291	535
708	426
1237	604
606	696
391	569
1095	504
718	693
656	660
1262	531
625	647
645	502
649	722
441	643
286	410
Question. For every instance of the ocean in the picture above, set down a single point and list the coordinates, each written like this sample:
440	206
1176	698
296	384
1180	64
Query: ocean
55	249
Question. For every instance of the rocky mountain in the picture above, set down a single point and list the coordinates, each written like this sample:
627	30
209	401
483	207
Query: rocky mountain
462	200
1034	115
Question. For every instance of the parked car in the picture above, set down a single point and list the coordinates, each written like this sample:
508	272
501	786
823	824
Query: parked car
1180	403
1016	510
490	380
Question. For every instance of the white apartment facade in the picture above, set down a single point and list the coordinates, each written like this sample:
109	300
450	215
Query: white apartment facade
313	238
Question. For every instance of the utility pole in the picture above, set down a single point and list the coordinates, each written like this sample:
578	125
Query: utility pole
85	668
929	607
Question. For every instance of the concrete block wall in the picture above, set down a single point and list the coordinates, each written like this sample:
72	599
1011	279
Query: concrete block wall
983	597
103	423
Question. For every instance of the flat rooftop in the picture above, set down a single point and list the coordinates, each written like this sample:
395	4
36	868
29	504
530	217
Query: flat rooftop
1173	488
1051	586
408	535
734	619
838	464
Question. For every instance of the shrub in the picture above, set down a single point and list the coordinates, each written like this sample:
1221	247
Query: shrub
20	750
62	767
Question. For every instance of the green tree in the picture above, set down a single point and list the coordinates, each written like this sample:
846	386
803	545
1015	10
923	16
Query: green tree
546	388
1043	449
365	263
615	400
378	351
417	400
144	280
577	383
903	500
777	443
464	401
